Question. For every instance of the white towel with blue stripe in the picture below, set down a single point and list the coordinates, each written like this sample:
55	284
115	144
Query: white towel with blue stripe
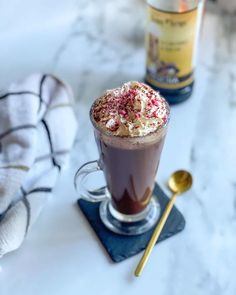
37	130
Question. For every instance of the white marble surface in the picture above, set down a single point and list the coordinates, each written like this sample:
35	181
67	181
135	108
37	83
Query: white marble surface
96	45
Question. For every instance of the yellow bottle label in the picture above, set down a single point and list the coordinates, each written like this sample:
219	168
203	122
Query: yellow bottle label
170	42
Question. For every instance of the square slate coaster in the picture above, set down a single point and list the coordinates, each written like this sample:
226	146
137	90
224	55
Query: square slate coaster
121	247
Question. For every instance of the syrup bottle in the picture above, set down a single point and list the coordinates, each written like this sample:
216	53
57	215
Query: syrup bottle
171	42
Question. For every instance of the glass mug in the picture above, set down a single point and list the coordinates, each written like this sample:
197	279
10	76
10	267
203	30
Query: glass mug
129	165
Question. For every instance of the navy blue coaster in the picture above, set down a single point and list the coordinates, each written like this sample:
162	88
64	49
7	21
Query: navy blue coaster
121	247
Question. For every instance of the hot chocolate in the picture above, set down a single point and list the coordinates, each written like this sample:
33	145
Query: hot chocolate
130	129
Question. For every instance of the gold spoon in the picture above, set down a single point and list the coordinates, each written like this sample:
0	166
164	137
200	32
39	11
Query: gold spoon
179	182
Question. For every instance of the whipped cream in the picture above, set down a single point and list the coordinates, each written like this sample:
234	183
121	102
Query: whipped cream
134	109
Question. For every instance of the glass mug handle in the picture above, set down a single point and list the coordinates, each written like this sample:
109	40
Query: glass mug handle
83	172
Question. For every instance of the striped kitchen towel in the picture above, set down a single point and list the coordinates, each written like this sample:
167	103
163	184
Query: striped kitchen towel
37	130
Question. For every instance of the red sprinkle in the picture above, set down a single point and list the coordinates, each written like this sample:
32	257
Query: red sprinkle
154	102
154	115
122	112
132	91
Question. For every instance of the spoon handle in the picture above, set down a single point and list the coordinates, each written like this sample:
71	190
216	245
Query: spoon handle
155	236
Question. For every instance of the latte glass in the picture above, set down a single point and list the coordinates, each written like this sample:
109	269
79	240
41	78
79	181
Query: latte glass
129	165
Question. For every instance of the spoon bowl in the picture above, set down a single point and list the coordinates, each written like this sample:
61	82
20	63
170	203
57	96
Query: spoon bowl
180	181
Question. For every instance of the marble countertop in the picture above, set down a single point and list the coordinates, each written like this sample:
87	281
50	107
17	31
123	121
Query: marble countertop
96	45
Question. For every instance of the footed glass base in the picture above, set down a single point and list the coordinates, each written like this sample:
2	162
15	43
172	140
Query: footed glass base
135	224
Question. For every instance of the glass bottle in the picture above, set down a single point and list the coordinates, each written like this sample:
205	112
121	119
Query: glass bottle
171	44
